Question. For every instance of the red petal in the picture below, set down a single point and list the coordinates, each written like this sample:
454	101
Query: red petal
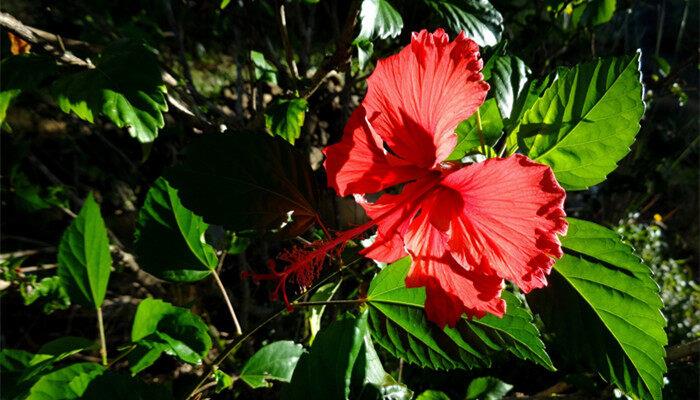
510	212
393	213
359	163
416	98
451	290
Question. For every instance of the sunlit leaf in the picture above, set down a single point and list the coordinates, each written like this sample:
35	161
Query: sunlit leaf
125	86
65	383
285	117
398	323
487	388
274	362
585	122
593	12
84	262
160	326
604	310
468	135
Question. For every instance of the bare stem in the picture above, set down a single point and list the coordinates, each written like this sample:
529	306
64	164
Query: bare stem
103	341
327	303
239	332
480	131
284	32
233	346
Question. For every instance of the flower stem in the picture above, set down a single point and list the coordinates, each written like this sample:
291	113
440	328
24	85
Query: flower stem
239	332
103	341
326	303
236	343
480	131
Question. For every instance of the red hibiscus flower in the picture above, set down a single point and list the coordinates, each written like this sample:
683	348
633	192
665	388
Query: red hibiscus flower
466	228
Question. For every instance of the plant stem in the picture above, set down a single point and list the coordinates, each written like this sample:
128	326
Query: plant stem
239	332
480	131
103	341
233	346
327	303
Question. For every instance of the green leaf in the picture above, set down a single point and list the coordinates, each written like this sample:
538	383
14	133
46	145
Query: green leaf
603	308
398	323
169	239
22	73
593	12
125	86
115	386
58	349
223	381
247	180
20	369
84	261
160	326
487	388
325	372
477	18
145	354
66	383
285	117
378	20
323	293
51	289
276	361
264	71
585	121
433	395
369	379
468	140
508	79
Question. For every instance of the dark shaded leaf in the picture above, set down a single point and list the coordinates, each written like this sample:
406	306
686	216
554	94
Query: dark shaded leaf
21	73
325	372
477	18
246	180
115	386
169	238
508	78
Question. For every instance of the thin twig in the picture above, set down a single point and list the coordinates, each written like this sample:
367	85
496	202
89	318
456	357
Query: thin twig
233	346
683	350
342	54
284	32
40	267
27	253
327	303
49	42
237	325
